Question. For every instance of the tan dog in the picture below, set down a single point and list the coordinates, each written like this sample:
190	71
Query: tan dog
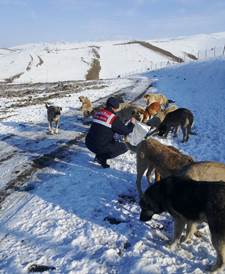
53	115
150	111
86	107
204	171
166	160
157	97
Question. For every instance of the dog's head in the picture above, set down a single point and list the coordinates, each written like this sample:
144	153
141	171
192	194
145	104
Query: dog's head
162	129
151	203
146	97
138	114
57	110
82	99
53	110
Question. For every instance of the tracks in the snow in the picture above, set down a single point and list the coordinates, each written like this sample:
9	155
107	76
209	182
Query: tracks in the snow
49	157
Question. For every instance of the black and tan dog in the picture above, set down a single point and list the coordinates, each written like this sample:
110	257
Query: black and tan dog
53	115
189	202
180	117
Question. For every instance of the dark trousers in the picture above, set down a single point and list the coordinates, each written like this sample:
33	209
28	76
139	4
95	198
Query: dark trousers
109	151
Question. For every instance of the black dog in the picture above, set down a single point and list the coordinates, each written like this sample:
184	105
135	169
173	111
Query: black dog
180	117
189	202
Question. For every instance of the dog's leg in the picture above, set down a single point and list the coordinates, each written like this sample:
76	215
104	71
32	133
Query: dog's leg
57	127
188	132
157	176
166	133
50	127
149	173
190	231
142	165
219	245
184	131
179	224
175	131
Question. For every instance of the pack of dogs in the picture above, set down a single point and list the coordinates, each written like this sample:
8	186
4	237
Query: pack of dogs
191	192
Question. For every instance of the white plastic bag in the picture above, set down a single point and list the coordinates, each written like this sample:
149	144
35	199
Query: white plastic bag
138	133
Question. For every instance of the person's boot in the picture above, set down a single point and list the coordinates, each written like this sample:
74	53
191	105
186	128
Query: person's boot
101	161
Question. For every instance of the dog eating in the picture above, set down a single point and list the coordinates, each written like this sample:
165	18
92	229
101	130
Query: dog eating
180	117
189	202
153	155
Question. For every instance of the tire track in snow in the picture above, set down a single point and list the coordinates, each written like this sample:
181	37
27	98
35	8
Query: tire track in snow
60	151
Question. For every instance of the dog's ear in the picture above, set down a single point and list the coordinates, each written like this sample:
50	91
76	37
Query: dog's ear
46	105
60	109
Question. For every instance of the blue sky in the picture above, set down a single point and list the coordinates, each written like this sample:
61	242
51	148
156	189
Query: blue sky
28	21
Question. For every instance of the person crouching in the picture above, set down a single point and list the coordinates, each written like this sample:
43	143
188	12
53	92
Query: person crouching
100	138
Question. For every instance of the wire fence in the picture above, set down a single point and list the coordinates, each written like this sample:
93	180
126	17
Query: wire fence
198	55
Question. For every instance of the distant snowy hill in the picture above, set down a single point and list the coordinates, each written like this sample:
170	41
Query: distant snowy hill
101	60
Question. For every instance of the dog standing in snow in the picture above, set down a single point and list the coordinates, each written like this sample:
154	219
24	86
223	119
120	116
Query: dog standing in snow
53	115
189	202
86	107
180	117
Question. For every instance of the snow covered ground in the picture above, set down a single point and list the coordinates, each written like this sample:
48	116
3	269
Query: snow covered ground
52	62
80	218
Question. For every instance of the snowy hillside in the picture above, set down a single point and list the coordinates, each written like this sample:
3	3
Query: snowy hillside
69	213
101	60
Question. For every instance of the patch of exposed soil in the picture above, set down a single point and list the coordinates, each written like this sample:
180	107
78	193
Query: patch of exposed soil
93	72
156	49
39	93
191	56
12	78
40	62
30	63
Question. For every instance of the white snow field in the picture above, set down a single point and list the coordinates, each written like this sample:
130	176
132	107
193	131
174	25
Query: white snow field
79	218
51	62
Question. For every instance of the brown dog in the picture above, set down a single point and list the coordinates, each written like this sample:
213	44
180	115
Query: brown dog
151	154
86	107
151	110
167	160
53	115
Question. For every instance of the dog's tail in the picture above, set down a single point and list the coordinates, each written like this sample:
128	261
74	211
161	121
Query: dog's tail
171	101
